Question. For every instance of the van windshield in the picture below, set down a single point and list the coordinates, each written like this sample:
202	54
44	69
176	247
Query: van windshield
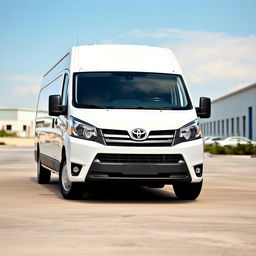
131	90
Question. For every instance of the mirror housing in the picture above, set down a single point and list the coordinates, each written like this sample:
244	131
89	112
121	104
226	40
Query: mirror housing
204	109
55	108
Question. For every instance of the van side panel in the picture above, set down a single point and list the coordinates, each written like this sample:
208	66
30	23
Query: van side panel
45	132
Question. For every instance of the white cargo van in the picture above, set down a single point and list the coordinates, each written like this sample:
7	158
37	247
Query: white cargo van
119	113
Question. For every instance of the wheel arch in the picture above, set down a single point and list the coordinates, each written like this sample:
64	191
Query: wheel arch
63	153
63	156
37	152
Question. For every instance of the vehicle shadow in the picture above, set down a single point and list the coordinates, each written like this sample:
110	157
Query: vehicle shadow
119	193
52	187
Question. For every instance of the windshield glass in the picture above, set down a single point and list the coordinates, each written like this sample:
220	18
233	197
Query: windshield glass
130	90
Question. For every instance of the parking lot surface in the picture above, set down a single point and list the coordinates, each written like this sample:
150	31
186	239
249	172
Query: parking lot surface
36	220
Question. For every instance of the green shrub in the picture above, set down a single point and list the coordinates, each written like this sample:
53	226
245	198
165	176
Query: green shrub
208	148
4	133
245	149
240	149
218	150
214	149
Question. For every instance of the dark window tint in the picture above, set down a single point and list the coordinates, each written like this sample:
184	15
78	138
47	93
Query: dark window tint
130	90
24	128
244	126
250	123
8	127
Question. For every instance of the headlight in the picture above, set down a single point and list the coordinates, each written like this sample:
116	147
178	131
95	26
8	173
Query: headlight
82	129
190	131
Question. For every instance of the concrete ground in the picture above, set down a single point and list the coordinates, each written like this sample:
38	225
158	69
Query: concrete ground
35	220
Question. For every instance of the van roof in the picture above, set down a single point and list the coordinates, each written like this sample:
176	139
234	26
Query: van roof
133	58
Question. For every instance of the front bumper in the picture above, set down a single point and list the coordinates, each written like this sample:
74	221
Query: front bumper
149	168
85	153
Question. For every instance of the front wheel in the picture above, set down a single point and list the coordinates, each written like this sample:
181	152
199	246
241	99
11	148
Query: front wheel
188	191
69	190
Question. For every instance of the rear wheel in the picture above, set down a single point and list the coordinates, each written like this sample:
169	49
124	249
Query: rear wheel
43	175
188	191
69	190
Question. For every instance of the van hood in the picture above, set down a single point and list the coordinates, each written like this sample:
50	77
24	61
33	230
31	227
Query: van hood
127	119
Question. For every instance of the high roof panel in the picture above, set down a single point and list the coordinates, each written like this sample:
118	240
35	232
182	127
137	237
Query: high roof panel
138	58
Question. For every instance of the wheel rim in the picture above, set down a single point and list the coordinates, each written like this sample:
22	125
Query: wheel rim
66	183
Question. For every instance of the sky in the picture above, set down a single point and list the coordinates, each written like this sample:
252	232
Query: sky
214	41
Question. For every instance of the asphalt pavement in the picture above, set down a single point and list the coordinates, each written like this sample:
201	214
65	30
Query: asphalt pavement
36	220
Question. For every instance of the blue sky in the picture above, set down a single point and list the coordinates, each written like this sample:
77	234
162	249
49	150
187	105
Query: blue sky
215	41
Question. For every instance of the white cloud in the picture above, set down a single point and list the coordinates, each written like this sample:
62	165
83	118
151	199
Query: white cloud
24	84
214	63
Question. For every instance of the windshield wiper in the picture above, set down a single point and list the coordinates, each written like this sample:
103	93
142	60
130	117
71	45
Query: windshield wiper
168	108
136	107
91	106
157	108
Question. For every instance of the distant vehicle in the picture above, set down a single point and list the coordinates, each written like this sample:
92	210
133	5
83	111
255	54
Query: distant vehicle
212	140
234	141
207	137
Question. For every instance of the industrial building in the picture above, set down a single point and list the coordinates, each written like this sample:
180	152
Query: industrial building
18	120
233	115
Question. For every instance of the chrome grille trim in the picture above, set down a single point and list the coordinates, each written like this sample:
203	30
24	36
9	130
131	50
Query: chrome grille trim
160	136
116	136
156	138
138	142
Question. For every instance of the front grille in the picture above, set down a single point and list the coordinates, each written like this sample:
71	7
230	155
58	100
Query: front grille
139	158
154	139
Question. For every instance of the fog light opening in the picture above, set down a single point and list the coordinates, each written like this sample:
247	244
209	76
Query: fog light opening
75	169
198	170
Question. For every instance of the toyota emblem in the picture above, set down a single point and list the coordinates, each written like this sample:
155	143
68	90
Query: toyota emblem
138	134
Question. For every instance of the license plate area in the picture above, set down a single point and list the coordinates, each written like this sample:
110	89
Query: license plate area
139	169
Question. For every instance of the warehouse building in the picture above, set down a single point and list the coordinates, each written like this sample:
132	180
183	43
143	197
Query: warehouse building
18	120
233	115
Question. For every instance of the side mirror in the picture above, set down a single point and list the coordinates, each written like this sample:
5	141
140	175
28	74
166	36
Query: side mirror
204	109
55	108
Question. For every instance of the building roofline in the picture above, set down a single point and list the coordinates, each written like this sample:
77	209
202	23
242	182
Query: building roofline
246	88
17	109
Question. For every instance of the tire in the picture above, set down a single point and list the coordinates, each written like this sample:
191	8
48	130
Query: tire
187	191
43	175
69	190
